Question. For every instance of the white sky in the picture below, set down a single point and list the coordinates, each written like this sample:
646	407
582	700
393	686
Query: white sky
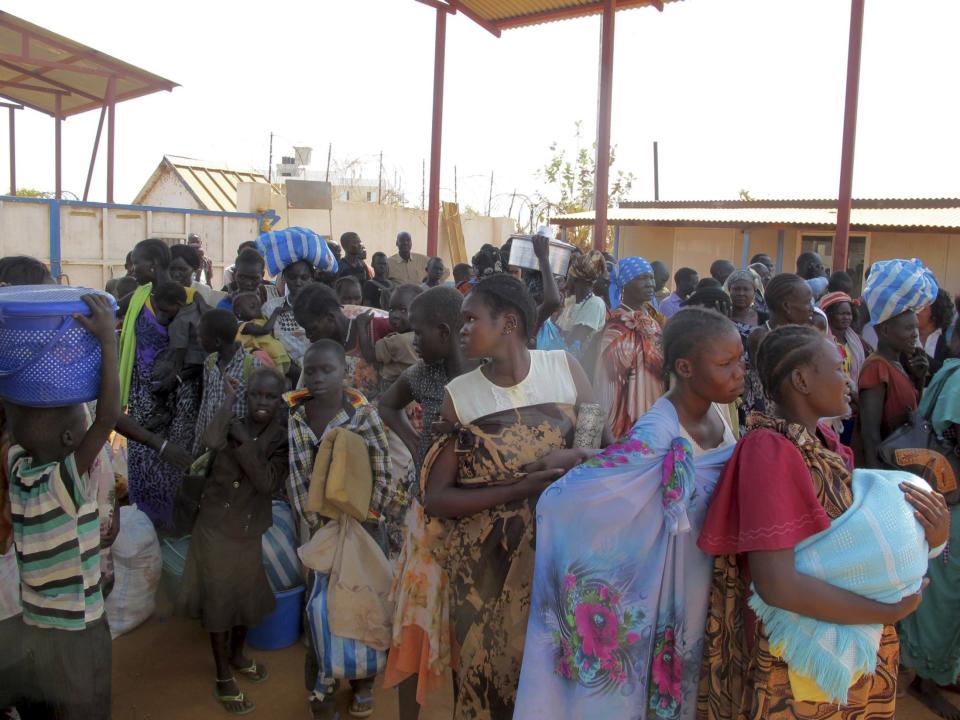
739	93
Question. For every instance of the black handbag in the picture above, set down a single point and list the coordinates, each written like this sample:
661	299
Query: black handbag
186	503
916	448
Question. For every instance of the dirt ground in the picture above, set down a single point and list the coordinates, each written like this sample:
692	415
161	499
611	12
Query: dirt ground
163	671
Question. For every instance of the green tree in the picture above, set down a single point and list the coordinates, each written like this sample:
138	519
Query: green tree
30	192
569	177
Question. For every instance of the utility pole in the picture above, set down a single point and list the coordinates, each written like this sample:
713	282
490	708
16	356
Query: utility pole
456	199
490	196
329	153
270	162
423	186
380	179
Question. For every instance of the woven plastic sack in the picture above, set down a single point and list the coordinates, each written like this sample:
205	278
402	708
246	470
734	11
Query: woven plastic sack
281	248
338	657
137	565
280	559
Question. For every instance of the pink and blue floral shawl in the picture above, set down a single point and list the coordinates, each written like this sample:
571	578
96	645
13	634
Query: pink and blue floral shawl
620	588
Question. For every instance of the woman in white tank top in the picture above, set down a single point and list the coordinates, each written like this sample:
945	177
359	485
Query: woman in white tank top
517	409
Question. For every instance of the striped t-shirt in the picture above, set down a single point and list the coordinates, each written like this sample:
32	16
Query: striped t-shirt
56	530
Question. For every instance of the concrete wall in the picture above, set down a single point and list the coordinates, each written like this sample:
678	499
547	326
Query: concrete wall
377	225
699	247
95	238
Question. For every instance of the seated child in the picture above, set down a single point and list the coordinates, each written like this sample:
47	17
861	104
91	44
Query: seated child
322	405
183	359
224	583
255	334
227	359
395	352
64	629
348	290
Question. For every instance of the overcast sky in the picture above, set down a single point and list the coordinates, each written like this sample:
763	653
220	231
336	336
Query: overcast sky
740	94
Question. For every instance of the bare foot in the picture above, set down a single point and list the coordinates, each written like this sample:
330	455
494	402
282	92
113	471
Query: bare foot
929	694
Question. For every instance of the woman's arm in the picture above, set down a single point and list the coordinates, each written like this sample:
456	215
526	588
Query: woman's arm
391	405
444	498
779	584
551	293
367	349
170	453
871	413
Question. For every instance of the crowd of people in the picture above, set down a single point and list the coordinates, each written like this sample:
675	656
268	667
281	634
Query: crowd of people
594	491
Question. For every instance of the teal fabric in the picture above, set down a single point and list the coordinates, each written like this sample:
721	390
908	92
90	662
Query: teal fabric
875	549
941	400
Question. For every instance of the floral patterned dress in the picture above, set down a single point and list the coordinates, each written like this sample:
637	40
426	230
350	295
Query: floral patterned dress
629	372
620	590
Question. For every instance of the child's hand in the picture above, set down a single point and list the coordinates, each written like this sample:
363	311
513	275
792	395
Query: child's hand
364	320
230	386
102	323
176	456
932	513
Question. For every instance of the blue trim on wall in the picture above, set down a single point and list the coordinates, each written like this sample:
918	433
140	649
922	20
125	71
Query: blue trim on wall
55	267
116	206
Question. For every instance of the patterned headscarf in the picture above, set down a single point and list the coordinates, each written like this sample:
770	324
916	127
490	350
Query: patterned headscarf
589	267
833	298
625	271
895	286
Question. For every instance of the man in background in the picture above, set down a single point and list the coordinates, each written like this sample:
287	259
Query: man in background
205	273
685	280
406	267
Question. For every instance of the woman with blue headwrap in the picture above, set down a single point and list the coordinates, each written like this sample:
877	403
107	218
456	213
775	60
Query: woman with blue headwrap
893	377
628	378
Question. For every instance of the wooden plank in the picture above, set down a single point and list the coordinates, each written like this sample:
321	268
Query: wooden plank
455	242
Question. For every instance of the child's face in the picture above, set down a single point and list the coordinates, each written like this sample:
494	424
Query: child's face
264	398
349	293
208	341
381	267
316	327
247	307
323	372
296	277
166	312
431	342
435	269
400	312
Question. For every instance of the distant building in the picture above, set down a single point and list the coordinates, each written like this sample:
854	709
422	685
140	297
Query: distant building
181	182
697	232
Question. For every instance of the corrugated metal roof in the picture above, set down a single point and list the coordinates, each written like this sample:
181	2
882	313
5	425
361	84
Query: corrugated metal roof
497	15
38	66
940	218
215	188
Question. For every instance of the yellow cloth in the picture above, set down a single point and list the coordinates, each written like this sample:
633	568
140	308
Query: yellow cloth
805	689
395	354
342	479
267	343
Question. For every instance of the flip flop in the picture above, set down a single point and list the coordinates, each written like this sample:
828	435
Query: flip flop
247	705
362	705
254	672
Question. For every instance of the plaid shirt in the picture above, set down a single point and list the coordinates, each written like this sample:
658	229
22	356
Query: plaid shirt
239	368
385	502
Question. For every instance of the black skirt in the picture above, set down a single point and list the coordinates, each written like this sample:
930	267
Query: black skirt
224	583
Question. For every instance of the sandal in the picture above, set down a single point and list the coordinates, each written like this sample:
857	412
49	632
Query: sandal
362	705
321	710
254	672
245	706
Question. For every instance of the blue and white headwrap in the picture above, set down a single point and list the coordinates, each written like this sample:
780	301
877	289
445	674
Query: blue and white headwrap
623	272
282	248
895	286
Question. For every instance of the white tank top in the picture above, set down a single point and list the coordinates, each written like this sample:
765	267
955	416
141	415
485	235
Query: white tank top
549	381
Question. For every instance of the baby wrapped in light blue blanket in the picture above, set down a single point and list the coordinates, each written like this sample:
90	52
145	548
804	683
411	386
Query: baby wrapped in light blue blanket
876	549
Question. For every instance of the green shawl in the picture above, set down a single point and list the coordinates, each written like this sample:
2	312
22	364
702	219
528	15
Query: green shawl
128	340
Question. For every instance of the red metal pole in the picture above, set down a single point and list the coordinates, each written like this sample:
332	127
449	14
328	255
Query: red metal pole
57	133
605	105
93	155
433	208
13	152
111	118
841	240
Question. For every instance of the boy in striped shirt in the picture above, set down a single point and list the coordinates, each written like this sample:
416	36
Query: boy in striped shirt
56	530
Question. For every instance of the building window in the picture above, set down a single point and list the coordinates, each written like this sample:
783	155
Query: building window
344	195
371	196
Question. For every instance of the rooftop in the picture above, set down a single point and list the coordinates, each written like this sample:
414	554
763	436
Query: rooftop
215	188
867	214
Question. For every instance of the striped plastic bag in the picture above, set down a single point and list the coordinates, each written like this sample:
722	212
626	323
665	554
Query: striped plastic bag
280	560
338	657
281	248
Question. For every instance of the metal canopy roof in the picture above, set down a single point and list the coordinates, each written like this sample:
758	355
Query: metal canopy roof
497	15
897	214
41	70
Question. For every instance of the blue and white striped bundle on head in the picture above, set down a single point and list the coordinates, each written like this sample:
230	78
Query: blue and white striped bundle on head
895	286
282	248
